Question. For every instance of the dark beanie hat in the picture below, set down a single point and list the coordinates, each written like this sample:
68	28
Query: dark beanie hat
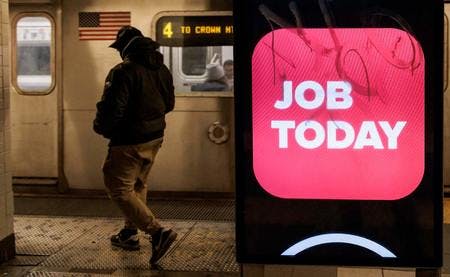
124	35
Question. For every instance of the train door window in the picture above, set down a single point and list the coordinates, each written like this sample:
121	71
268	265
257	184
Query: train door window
204	68
33	54
193	61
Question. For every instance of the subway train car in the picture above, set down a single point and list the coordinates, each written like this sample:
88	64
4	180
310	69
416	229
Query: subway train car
59	64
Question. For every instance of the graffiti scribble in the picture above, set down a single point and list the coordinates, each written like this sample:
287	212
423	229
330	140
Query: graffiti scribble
338	52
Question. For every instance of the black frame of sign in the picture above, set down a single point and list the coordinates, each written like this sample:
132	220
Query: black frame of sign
411	226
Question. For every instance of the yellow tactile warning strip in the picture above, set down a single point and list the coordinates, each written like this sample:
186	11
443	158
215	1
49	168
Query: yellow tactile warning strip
92	250
194	249
76	244
39	235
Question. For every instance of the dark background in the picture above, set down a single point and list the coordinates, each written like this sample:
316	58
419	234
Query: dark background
411	227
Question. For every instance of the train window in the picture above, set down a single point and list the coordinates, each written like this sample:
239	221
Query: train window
208	68
193	60
33	72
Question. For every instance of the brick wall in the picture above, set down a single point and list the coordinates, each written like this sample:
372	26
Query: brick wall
6	195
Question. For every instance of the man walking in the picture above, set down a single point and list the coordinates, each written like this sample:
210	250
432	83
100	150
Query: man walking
138	93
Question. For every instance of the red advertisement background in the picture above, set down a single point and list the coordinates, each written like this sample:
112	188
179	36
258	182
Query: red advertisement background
386	70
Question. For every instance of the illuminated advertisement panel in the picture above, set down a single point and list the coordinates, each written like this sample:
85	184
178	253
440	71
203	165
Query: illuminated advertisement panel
339	132
342	117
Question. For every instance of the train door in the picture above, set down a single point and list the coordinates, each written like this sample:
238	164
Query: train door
200	129
35	93
446	100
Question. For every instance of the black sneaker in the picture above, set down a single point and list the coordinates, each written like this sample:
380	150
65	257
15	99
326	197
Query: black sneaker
161	242
127	239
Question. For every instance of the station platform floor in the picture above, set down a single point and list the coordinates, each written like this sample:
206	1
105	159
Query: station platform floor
70	237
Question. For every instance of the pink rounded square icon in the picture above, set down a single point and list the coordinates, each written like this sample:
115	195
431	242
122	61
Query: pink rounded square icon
338	113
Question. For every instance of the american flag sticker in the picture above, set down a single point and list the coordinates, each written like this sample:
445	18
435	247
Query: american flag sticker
101	25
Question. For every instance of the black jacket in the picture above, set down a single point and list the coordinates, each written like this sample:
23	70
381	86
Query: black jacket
138	93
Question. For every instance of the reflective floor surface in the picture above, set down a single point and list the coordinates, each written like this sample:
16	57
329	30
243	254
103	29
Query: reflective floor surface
81	245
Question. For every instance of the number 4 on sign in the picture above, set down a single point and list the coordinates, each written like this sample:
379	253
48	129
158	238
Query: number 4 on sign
167	31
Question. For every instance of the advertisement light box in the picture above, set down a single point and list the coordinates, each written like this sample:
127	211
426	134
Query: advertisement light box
339	132
328	120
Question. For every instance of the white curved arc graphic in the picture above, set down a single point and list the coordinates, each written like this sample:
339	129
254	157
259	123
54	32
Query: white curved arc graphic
338	238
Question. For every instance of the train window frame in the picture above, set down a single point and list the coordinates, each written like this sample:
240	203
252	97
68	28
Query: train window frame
14	75
209	55
177	69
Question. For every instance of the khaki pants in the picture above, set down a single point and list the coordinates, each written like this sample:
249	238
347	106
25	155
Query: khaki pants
125	174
